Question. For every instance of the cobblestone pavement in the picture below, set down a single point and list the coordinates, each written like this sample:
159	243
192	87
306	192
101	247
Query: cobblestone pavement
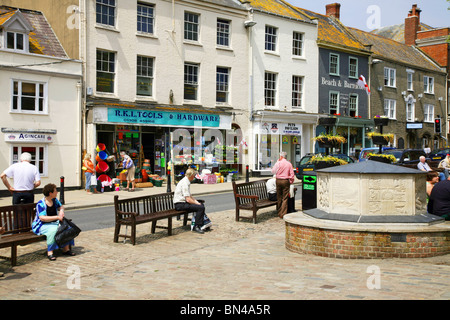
235	261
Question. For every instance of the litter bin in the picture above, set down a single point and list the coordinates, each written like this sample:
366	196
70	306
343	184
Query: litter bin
309	191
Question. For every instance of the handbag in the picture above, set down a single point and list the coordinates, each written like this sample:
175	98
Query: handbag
67	231
127	166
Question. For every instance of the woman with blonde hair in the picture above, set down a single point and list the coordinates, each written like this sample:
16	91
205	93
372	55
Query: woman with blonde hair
89	168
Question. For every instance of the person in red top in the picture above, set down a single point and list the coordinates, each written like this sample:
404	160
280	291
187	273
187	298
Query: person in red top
285	176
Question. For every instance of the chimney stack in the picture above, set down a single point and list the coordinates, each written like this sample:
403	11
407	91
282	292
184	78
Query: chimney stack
412	25
334	10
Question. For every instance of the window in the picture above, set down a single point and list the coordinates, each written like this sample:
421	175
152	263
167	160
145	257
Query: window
410	114
270	89
144	76
191	26
29	97
190	81
353	68
38	156
428	84
389	77
334	102
223	33
389	108
145	18
297	91
297	45
334	64
271	38
428	110
15	41
222	82
353	105
409	81
105	71
106	12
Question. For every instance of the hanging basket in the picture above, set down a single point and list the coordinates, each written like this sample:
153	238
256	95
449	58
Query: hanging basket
380	140
381	121
326	143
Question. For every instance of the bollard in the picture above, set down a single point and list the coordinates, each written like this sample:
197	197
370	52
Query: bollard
61	192
246	174
169	183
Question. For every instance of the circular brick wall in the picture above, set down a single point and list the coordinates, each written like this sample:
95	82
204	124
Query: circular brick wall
365	244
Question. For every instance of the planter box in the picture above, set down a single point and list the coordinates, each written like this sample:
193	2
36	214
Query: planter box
381	121
324	164
379	140
380	159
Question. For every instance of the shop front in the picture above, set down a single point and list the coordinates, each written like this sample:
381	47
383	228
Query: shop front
291	133
159	139
353	129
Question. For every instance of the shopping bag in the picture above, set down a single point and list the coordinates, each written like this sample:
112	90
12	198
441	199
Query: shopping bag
93	180
66	232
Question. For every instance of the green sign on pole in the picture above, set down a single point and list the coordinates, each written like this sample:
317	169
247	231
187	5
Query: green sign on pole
309	179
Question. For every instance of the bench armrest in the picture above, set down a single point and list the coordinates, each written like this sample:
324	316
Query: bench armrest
132	215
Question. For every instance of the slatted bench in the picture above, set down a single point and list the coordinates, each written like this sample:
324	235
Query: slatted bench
17	220
251	196
139	210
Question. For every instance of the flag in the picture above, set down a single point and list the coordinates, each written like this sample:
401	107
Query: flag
363	84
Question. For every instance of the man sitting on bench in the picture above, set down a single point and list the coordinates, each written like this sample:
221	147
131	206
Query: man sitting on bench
184	201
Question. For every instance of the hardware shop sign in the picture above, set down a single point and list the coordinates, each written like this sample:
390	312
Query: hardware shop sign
162	118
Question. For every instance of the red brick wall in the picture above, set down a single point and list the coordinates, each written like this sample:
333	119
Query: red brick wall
364	245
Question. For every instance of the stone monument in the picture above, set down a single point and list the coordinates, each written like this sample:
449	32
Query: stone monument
369	209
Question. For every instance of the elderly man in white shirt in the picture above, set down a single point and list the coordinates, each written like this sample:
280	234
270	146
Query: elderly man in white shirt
183	200
26	178
423	165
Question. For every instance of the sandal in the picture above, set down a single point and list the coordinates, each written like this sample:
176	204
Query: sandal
51	257
68	253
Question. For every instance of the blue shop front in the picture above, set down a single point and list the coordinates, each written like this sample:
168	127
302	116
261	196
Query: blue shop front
161	137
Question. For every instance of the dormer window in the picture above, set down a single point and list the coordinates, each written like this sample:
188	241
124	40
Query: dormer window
15	41
14	33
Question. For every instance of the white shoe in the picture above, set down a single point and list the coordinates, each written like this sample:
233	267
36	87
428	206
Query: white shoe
206	226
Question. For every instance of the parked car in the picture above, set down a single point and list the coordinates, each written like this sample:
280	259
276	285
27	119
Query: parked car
305	164
364	154
406	156
439	154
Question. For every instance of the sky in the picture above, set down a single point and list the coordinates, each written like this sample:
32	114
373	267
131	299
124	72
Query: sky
368	15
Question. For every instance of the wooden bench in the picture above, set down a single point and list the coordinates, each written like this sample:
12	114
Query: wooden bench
432	163
17	220
138	210
251	196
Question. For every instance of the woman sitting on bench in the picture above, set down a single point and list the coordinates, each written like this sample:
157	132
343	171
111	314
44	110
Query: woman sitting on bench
47	220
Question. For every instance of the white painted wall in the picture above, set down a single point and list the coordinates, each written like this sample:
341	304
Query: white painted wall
63	116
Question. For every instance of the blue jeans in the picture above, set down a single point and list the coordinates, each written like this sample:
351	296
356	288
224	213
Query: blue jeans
88	176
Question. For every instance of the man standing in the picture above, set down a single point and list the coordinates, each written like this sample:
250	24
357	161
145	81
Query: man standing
184	201
285	176
26	179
